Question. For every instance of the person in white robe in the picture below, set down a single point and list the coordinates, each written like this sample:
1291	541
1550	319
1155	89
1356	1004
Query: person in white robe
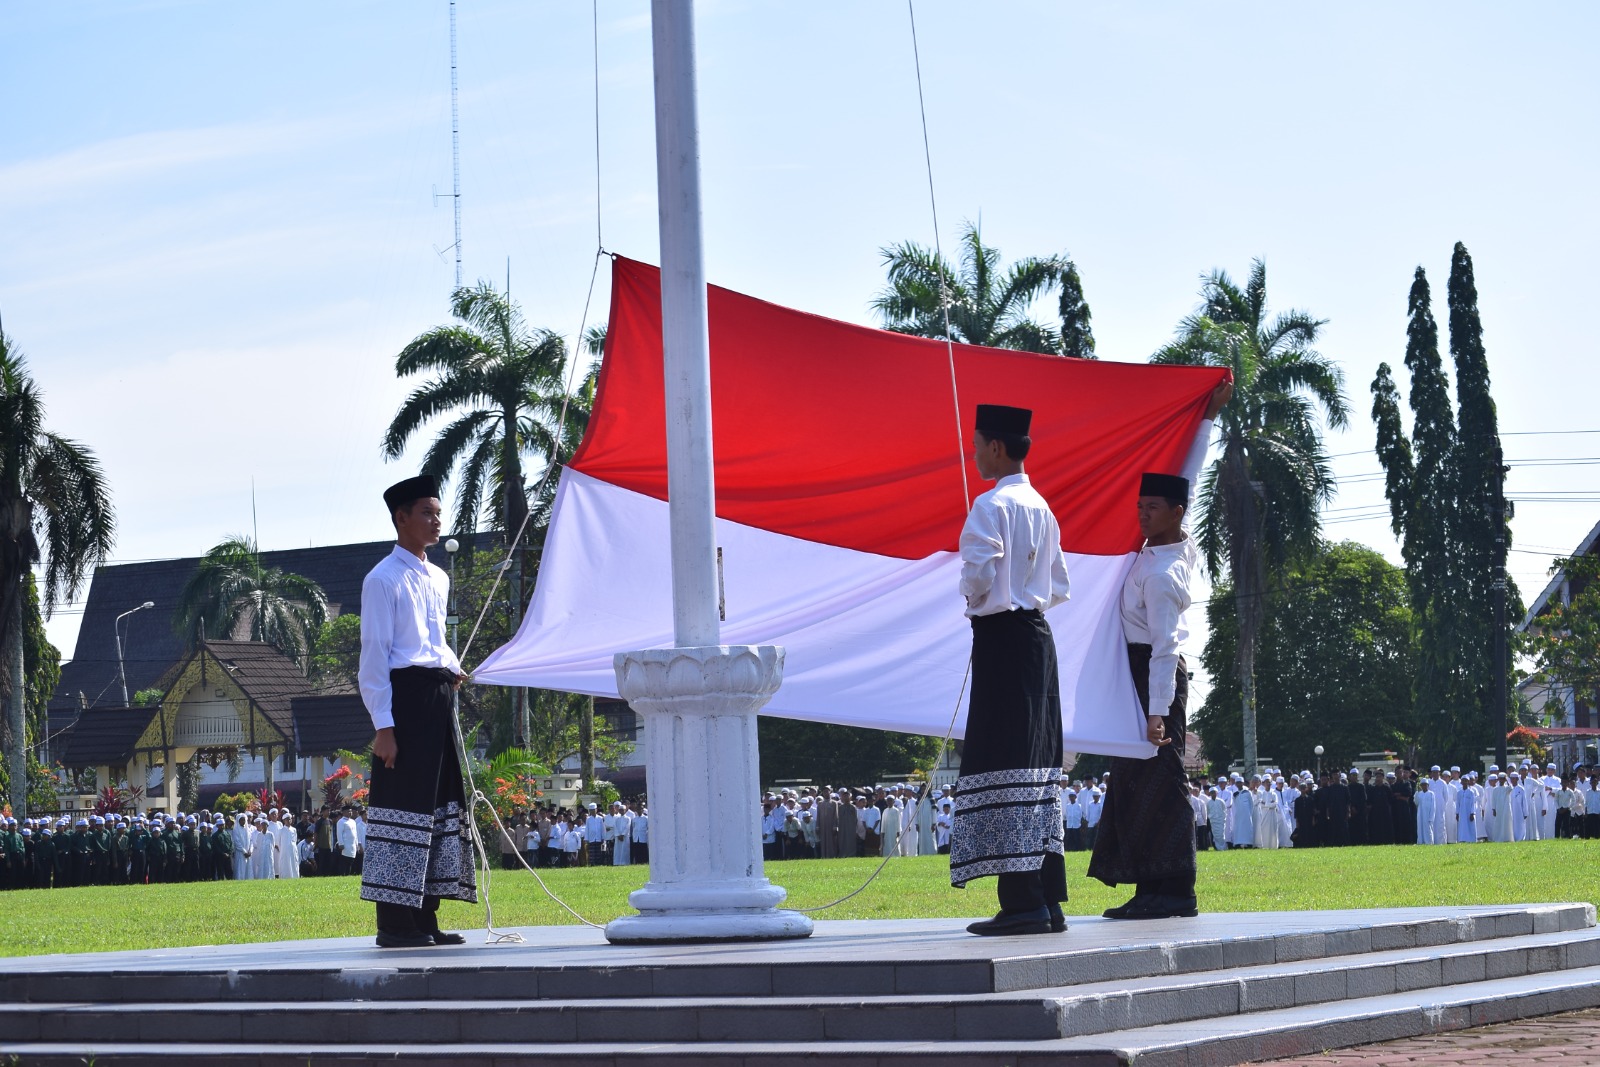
889	832
1547	819
925	842
622	841
1519	808
1440	791
286	856
262	848
1452	802
1217	814
241	846
1536	805
1468	815
1500	808
1242	834
1427	802
1265	802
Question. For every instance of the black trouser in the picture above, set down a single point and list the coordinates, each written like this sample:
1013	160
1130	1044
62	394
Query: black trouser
1032	890
401	919
1181	886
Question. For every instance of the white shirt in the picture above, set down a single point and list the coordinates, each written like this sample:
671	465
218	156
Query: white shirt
403	602
1155	599
1011	551
347	837
641	828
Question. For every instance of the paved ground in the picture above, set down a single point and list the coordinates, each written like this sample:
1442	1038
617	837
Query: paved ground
1569	1040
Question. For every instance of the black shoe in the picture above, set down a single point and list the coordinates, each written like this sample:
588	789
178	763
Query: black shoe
1157	906
1058	921
1036	921
441	938
408	939
1122	911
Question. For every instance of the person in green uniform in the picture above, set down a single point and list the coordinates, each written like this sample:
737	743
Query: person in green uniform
138	844
156	853
44	857
172	865
10	864
191	850
119	852
221	850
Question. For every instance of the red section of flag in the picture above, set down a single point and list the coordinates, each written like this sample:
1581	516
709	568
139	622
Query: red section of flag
847	435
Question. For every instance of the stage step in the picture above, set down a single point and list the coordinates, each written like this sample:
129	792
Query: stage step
1219	989
1033	1015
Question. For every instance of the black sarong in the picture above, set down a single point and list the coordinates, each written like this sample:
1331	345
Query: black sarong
1147	826
418	842
1008	799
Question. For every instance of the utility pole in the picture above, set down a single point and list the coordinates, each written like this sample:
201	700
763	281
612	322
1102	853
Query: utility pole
1502	665
455	142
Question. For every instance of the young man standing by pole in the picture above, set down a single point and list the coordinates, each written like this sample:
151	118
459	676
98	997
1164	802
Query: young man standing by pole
1007	818
418	850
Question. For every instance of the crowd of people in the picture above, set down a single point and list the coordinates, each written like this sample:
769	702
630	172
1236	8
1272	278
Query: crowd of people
553	836
140	849
1267	810
1405	807
831	823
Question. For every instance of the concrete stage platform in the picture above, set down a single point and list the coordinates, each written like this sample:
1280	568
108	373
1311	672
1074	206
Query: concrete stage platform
1217	989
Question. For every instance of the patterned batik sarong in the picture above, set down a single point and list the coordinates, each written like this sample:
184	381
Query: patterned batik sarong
1008	798
418	841
1147	825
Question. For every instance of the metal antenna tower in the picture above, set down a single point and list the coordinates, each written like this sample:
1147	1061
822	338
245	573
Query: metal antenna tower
455	141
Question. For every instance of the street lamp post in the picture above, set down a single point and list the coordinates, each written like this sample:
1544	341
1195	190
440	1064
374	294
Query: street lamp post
452	619
116	627
1318	752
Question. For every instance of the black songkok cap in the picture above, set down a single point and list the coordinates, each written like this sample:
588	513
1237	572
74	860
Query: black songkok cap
1170	486
995	419
402	494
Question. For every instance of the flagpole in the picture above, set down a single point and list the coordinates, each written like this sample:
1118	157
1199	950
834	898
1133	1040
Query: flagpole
698	700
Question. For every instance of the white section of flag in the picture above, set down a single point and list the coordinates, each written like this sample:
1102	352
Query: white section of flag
870	640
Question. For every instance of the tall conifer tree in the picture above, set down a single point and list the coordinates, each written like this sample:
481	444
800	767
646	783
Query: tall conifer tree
1077	336
1440	487
1480	482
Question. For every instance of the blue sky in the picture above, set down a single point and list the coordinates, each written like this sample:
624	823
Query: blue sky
220	224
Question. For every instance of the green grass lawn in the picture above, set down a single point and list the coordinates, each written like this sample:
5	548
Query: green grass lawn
212	913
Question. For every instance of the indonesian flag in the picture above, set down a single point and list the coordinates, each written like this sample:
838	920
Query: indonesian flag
840	501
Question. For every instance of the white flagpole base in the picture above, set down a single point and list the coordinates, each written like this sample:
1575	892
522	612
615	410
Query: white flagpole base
706	883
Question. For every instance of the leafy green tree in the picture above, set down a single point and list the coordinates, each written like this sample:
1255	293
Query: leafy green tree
1564	639
1260	499
1335	648
231	593
55	508
1478	525
336	652
840	755
987	306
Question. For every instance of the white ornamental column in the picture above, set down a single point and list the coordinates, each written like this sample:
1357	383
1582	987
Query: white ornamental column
699	700
706	881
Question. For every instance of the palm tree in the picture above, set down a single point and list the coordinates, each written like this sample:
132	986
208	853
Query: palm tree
231	591
504	384
1261	497
54	507
987	306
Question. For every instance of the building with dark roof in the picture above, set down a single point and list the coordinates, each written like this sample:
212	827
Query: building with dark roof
150	641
